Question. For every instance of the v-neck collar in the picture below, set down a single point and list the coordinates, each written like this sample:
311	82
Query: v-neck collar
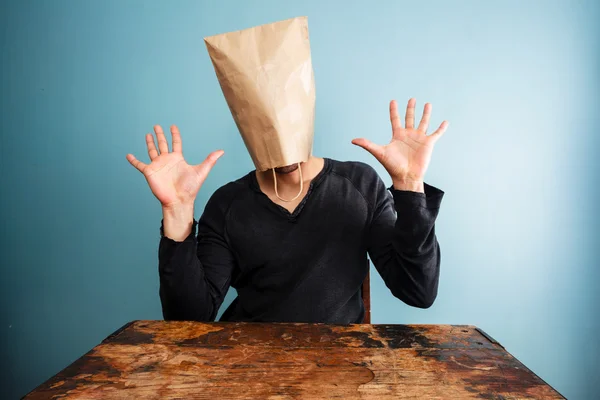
313	183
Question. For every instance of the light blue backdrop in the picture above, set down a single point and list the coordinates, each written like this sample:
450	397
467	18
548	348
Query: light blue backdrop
83	81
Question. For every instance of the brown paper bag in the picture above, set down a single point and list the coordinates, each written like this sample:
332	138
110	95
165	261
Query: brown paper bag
267	78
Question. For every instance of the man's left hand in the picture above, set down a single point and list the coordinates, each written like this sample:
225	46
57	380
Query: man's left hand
407	156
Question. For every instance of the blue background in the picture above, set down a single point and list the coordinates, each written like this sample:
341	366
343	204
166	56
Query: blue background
83	81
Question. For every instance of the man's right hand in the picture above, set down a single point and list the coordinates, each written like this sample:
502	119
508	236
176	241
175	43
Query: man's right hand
172	180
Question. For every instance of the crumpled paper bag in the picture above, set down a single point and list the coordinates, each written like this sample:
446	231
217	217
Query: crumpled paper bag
267	78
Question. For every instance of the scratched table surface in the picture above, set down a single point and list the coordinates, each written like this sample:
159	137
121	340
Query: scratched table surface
228	360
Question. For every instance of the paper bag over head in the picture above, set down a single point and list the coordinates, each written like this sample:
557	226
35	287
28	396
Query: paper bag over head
267	78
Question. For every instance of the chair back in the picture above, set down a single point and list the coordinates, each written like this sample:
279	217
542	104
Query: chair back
366	296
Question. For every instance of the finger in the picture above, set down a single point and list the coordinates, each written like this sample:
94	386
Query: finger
376	150
151	147
140	166
410	113
204	168
394	117
176	139
440	131
163	146
424	124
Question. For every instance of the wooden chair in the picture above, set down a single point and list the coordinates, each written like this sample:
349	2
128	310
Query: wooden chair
366	296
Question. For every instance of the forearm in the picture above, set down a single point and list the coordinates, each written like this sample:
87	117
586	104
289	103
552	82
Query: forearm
414	228
413	276
184	292
404	246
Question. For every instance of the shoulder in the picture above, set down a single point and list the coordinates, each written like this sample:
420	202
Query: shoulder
361	175
222	199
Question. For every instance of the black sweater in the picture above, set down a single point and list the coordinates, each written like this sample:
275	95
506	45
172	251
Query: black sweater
305	266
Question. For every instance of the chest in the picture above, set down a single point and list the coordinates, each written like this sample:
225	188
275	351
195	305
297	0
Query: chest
266	234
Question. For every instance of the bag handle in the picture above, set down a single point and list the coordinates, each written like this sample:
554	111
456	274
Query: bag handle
301	185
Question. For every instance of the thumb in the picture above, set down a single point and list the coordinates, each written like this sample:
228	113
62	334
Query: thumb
204	168
376	150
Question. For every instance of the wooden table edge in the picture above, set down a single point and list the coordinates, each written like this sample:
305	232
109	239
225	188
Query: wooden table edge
130	323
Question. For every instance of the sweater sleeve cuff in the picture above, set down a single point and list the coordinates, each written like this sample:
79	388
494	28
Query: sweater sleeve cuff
431	199
190	237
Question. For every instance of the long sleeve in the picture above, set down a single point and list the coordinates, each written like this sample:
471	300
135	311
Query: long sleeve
402	243
195	274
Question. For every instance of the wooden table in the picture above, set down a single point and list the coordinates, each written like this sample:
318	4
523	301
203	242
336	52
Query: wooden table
226	360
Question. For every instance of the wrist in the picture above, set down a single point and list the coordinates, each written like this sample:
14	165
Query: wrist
413	185
178	221
178	210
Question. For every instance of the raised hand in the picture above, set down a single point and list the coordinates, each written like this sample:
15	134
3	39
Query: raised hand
172	180
408	154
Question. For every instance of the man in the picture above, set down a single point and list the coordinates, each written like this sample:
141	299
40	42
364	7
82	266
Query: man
302	260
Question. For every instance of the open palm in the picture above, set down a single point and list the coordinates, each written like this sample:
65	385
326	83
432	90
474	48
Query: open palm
172	180
408	154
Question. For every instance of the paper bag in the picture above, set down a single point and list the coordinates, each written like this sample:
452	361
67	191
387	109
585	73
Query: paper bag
267	78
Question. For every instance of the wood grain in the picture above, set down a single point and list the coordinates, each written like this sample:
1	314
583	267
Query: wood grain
224	360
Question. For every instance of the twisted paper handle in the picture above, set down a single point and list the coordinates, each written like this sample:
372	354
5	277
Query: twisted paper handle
301	185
